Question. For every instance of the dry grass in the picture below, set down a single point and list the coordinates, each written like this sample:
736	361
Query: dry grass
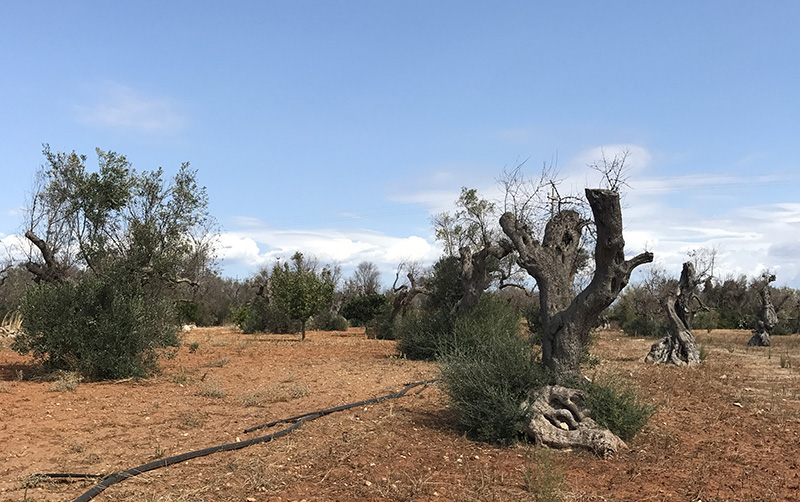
66	381
211	388
274	394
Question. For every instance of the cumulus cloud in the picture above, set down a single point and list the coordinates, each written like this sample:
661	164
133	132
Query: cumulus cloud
245	251
120	107
13	248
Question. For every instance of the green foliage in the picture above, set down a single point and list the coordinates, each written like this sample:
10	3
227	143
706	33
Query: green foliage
101	327
653	327
116	245
362	309
421	333
240	317
445	285
533	316
616	406
261	316
328	320
299	291
488	371
706	319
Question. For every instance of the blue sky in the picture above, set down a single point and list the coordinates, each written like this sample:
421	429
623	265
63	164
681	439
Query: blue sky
339	127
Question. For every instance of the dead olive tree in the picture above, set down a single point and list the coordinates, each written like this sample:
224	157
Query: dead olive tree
767	316
567	318
553	256
678	346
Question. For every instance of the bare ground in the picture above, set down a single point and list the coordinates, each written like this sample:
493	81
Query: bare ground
728	430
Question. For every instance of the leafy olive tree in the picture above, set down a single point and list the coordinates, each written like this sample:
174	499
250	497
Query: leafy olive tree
113	241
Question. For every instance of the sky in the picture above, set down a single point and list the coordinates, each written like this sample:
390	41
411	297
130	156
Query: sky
339	128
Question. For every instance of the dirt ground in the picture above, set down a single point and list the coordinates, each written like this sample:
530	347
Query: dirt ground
728	430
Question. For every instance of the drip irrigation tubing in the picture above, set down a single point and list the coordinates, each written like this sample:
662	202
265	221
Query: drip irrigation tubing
298	420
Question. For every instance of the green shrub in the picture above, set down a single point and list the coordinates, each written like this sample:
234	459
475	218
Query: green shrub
103	328
616	406
644	326
488	371
706	319
362	309
419	333
328	320
262	316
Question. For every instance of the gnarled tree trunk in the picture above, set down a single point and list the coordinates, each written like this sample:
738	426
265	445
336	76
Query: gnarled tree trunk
767	316
559	418
567	319
475	273
678	346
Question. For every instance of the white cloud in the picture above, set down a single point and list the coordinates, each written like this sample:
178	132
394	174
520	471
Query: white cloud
13	248
259	245
121	107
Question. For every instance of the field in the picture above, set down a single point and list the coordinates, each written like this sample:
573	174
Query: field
728	430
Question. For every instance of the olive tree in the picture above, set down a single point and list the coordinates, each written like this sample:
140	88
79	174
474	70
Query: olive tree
109	250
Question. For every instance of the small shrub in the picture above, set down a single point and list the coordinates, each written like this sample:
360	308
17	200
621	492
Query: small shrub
616	406
362	309
703	352
328	321
542	477
193	347
706	319
191	420
644	326
487	372
219	363
263	317
420	333
101	327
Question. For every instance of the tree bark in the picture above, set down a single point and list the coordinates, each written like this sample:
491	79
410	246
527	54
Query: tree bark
52	271
767	316
475	273
404	295
678	346
560	419
567	319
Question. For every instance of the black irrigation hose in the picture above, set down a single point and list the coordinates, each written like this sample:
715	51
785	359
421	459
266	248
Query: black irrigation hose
118	477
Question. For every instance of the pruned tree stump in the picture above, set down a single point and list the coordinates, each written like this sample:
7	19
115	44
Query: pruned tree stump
767	315
678	347
560	419
760	336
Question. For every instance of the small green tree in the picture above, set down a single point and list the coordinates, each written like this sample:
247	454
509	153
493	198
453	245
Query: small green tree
299	290
362	309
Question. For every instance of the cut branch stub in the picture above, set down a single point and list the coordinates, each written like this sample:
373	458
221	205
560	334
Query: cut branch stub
560	419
